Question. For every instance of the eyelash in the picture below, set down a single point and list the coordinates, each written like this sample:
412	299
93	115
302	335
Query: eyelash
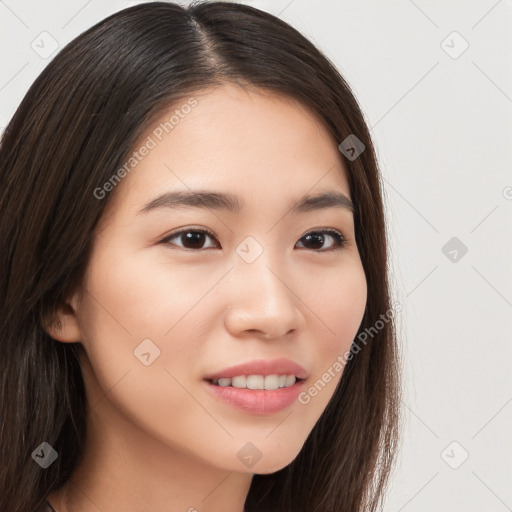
334	233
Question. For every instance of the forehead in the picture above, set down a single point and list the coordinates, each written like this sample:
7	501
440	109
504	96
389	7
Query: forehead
252	143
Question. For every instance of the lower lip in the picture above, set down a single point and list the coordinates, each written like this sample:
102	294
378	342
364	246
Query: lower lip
257	401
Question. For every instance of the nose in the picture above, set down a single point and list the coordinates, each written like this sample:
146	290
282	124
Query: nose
262	301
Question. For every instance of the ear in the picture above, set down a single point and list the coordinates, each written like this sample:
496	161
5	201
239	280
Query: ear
64	325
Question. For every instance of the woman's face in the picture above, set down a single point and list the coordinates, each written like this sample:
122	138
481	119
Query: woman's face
160	311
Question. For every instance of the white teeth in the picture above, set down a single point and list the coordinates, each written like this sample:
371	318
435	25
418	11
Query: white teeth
255	382
239	382
269	382
290	380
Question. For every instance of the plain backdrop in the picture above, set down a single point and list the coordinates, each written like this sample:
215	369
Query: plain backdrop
434	81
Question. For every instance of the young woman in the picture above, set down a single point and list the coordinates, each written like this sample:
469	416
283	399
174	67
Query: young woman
195	303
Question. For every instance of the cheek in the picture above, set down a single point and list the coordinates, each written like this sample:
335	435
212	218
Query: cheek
144	298
128	306
339	308
139	311
339	302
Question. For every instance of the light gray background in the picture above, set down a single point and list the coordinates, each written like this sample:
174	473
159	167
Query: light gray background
441	122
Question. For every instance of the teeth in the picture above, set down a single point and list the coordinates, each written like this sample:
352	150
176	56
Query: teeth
290	380
269	382
255	382
239	382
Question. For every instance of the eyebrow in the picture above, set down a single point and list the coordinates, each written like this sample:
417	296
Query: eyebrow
233	204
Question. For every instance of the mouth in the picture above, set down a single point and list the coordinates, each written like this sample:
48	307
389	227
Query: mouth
262	386
257	382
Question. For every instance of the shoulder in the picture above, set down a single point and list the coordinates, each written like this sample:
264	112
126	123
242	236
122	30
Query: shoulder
45	507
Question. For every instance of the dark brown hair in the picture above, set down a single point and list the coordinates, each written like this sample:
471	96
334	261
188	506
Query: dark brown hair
76	124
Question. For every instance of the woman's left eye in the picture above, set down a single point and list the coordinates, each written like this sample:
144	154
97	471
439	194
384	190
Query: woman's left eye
319	237
193	239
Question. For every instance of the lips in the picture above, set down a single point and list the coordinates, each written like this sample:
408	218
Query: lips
258	401
277	366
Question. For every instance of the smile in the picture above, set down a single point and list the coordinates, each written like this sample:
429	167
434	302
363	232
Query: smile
268	382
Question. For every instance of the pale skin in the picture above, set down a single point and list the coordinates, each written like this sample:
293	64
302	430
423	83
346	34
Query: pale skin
156	439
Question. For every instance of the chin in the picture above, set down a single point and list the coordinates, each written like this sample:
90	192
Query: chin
266	467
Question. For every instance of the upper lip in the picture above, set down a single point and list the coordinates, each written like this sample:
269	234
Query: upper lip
278	366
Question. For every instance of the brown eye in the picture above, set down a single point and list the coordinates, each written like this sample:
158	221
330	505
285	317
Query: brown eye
318	238
192	239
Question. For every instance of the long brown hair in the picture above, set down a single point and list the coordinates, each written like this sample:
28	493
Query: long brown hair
77	123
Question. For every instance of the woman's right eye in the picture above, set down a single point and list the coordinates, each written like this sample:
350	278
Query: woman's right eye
192	239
